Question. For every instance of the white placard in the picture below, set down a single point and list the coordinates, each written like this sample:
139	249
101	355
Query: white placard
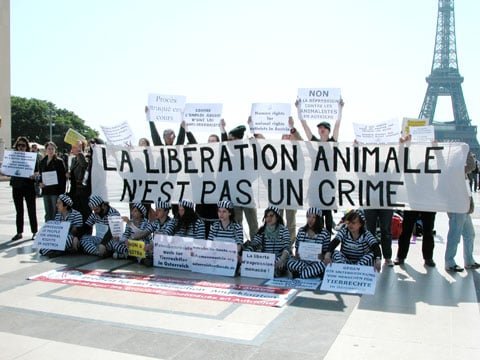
320	104
380	133
258	265
116	226
422	133
307	284
101	230
203	117
214	257
172	252
271	118
120	134
407	123
18	163
166	108
352	279
52	235
49	178
309	251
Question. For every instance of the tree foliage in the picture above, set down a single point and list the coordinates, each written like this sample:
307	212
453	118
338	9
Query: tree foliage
31	118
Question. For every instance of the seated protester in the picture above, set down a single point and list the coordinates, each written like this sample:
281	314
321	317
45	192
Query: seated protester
65	212
273	237
187	223
101	210
358	245
136	223
163	224
313	232
226	228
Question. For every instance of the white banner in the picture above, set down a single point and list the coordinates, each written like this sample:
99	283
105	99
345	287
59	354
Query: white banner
214	257
172	252
291	175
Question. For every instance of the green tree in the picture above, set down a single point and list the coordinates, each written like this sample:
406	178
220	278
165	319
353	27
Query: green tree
31	118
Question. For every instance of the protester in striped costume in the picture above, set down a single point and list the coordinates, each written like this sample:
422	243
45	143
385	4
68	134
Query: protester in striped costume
313	232
187	223
101	211
273	237
135	224
226	228
358	245
66	213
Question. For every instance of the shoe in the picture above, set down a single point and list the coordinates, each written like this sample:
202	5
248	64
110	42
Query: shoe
399	261
102	250
148	262
472	266
389	262
430	262
454	268
54	253
16	237
33	235
120	256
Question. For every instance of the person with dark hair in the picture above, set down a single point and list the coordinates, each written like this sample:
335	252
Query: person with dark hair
100	212
79	187
51	164
273	237
65	212
24	189
169	134
358	245
313	232
226	227
187	223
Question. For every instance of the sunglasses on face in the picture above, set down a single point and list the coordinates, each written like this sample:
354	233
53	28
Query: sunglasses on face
22	145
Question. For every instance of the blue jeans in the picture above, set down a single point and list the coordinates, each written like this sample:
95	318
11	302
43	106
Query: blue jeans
459	225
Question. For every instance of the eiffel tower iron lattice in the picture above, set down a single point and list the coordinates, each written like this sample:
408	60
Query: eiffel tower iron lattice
445	80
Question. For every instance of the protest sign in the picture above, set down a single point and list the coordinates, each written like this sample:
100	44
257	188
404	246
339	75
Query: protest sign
381	133
422	133
214	257
407	123
18	163
49	178
172	252
309	251
120	134
258	265
203	117
136	248
319	104
166	108
352	279
115	224
52	235
72	136
270	118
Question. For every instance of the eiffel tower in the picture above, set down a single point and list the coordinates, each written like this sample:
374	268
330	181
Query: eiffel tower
445	80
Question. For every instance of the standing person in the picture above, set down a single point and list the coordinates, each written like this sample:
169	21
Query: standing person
66	213
100	212
187	223
313	232
24	189
384	219
273	237
358	245
51	164
79	189
250	212
169	134
34	148
460	225
473	174
323	128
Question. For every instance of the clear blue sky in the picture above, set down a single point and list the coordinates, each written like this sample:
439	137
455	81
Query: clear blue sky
101	58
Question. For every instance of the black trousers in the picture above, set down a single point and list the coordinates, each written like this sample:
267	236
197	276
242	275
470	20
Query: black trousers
409	220
27	193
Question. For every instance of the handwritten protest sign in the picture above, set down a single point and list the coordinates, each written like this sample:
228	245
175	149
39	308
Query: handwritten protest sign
166	108
120	134
380	133
422	133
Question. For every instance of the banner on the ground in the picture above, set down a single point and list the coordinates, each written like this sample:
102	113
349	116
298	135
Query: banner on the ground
52	235
172	252
214	257
258	265
352	279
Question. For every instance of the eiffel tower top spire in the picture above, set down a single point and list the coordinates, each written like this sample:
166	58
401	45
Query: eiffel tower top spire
445	80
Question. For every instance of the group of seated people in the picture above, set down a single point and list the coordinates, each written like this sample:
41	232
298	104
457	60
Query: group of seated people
357	244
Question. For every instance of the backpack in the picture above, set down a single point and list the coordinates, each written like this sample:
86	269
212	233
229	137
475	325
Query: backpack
397	222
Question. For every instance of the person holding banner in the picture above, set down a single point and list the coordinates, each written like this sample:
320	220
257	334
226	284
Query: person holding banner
187	223
313	232
250	213
101	210
24	189
358	245
273	237
65	212
226	228
137	223
52	179
169	134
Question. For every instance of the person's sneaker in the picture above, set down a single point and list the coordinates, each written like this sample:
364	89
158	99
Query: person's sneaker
472	266
430	262
119	256
454	268
399	261
16	237
389	262
33	235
